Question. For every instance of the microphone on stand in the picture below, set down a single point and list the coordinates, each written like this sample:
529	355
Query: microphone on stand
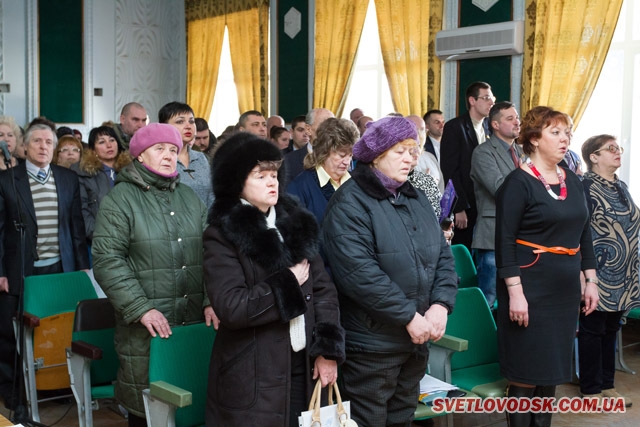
5	152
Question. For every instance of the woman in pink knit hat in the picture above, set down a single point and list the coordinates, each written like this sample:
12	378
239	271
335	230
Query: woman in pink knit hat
147	257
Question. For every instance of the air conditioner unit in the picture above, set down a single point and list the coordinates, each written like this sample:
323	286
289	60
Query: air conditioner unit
479	41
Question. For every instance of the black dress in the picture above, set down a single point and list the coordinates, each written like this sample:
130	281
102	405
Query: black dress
540	354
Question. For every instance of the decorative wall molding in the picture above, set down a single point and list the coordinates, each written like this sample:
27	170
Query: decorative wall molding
33	94
484	5
1	58
87	58
150	54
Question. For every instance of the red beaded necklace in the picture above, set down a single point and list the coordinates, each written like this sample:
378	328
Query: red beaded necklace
563	185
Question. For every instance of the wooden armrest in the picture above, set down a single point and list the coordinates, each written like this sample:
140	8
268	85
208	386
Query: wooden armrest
176	396
87	350
30	320
452	343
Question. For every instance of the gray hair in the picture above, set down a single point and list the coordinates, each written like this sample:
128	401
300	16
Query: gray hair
27	136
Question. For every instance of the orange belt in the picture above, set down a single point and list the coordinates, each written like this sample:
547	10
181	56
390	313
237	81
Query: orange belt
559	250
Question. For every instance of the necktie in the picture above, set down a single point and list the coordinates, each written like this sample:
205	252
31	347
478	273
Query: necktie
514	157
42	175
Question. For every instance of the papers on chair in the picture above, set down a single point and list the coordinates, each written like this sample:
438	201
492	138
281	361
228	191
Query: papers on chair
431	388
429	384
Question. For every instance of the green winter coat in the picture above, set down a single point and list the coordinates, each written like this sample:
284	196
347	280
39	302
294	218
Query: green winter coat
147	253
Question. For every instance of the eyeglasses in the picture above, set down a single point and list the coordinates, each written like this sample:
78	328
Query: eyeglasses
487	98
612	149
69	149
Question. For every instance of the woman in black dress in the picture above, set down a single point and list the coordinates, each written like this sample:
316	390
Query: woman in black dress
543	241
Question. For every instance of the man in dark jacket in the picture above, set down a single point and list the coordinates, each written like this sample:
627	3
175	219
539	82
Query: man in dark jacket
42	191
460	136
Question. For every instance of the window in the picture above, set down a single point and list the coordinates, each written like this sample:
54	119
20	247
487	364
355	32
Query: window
369	89
225	109
616	97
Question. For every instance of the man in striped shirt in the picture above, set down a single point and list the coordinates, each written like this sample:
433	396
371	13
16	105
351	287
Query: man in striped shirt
45	198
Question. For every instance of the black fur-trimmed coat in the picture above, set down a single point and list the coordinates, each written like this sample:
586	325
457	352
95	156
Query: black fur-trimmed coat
255	295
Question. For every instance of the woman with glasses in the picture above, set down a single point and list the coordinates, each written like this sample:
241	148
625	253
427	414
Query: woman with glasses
543	242
97	172
68	151
615	223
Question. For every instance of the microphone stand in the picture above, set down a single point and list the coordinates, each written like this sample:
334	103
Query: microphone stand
21	413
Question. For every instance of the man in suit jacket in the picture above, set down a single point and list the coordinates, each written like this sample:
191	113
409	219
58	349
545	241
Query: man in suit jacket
42	189
491	162
294	161
434	123
459	138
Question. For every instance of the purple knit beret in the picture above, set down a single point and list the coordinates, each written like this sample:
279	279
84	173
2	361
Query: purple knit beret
152	134
382	135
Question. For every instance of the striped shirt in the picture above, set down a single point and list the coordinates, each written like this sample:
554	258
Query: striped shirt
45	203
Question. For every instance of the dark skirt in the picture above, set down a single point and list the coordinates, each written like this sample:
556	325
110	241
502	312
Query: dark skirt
541	353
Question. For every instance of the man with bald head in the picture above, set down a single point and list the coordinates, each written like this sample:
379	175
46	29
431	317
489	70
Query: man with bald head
313	119
132	117
355	115
294	161
362	123
274	121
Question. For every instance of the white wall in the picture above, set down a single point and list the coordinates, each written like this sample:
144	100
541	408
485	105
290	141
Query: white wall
13	59
135	50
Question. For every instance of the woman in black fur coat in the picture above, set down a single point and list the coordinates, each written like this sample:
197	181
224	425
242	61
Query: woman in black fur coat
278	309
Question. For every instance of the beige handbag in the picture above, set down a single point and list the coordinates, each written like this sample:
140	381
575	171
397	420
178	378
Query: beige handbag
332	415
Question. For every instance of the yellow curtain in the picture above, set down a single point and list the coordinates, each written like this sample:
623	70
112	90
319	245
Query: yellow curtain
338	29
248	25
407	37
566	42
205	32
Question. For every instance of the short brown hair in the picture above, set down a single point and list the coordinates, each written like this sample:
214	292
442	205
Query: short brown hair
592	145
532	124
333	135
65	140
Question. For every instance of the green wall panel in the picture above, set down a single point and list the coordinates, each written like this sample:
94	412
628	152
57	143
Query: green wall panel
60	60
293	63
496	70
473	15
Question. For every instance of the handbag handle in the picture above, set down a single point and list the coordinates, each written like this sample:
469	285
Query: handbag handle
342	414
314	405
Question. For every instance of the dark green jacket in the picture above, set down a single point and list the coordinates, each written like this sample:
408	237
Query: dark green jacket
147	253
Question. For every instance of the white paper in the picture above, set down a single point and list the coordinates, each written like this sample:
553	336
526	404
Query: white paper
429	384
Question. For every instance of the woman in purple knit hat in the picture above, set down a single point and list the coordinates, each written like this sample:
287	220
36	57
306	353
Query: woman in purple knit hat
394	273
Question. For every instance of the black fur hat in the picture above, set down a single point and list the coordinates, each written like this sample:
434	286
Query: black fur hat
233	161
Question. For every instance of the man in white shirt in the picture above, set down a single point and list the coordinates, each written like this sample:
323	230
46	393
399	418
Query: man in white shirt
459	138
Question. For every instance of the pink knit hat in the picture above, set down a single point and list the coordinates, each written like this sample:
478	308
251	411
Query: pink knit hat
152	134
382	135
